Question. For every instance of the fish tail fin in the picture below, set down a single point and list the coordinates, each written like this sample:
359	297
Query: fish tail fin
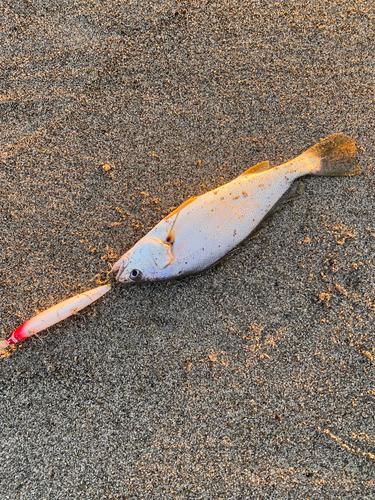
333	156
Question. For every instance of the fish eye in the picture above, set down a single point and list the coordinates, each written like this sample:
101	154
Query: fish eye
135	275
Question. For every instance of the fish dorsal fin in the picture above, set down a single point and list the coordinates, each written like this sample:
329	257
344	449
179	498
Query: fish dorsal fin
256	169
170	236
183	205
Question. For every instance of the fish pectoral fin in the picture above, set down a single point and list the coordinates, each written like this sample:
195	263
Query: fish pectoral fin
256	169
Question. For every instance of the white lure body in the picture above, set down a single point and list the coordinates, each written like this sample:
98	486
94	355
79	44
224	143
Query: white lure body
54	315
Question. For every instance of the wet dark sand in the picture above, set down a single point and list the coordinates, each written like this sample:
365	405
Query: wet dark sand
254	379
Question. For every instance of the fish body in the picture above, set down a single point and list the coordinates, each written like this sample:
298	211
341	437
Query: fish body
206	228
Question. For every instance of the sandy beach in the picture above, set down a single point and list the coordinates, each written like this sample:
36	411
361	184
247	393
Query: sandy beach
252	380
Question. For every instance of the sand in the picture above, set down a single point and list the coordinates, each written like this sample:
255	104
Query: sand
254	379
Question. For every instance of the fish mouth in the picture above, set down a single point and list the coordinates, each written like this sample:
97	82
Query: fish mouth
115	269
119	267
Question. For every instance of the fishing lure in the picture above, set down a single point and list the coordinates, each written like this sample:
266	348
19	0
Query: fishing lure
54	315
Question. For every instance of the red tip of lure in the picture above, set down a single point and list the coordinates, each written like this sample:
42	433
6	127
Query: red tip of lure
18	334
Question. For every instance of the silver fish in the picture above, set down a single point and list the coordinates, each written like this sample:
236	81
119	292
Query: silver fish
204	229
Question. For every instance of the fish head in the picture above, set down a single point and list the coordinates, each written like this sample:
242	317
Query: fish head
149	260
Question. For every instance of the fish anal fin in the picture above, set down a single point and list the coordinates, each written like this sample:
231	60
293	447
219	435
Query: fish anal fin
259	167
291	194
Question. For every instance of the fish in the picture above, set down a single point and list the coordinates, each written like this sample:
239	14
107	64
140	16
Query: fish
204	229
53	315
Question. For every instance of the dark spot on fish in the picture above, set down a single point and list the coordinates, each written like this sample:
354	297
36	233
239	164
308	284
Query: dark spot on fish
236	197
244	194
